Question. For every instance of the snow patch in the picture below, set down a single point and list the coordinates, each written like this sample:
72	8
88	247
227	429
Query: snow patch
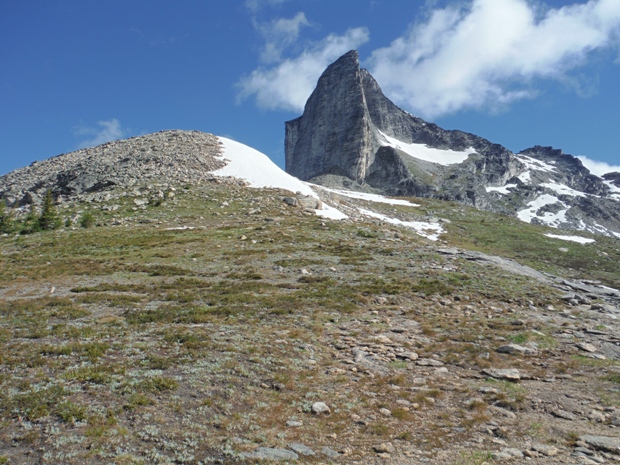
370	197
423	152
525	178
533	164
431	231
550	219
331	213
599	229
257	169
579	239
562	189
611	185
502	190
615	190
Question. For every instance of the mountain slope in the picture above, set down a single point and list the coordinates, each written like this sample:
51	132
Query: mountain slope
206	326
350	135
117	169
209	313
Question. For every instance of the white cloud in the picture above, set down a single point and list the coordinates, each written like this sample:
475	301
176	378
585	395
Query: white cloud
288	84
491	53
598	168
280	34
105	132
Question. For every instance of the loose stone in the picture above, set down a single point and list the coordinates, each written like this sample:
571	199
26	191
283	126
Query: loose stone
319	408
515	349
267	453
510	374
586	347
301	449
604	443
386	447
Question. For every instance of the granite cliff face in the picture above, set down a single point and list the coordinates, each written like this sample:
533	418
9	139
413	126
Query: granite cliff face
352	136
335	134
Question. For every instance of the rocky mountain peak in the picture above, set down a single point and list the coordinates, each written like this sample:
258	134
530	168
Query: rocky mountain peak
568	169
334	118
352	136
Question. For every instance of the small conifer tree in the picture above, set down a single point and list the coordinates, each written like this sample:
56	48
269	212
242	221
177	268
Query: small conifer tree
6	219
49	216
30	224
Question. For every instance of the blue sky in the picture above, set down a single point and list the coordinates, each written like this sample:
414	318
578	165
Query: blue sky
519	72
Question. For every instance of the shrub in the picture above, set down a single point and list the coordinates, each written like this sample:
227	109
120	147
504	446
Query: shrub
71	412
87	220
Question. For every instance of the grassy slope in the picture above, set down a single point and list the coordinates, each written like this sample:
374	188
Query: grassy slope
190	345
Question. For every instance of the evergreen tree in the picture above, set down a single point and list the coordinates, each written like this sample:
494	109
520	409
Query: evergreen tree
31	222
6	219
49	216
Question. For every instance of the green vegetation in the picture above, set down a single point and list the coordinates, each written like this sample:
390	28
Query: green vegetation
527	244
30	224
473	458
169	330
6	219
49	220
87	220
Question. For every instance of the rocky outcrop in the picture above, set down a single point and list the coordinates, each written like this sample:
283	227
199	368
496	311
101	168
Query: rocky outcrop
181	156
568	170
352	136
613	178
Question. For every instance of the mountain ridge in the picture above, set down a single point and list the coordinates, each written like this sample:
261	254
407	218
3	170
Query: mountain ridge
352	136
172	155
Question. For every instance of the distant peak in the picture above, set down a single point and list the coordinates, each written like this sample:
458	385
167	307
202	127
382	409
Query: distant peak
350	60
351	55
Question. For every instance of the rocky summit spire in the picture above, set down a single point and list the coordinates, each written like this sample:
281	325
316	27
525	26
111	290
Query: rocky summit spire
346	128
333	135
351	135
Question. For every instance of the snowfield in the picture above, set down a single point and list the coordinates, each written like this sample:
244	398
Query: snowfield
259	171
548	218
370	197
615	190
431	231
561	189
525	178
579	239
533	164
331	213
423	152
501	190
